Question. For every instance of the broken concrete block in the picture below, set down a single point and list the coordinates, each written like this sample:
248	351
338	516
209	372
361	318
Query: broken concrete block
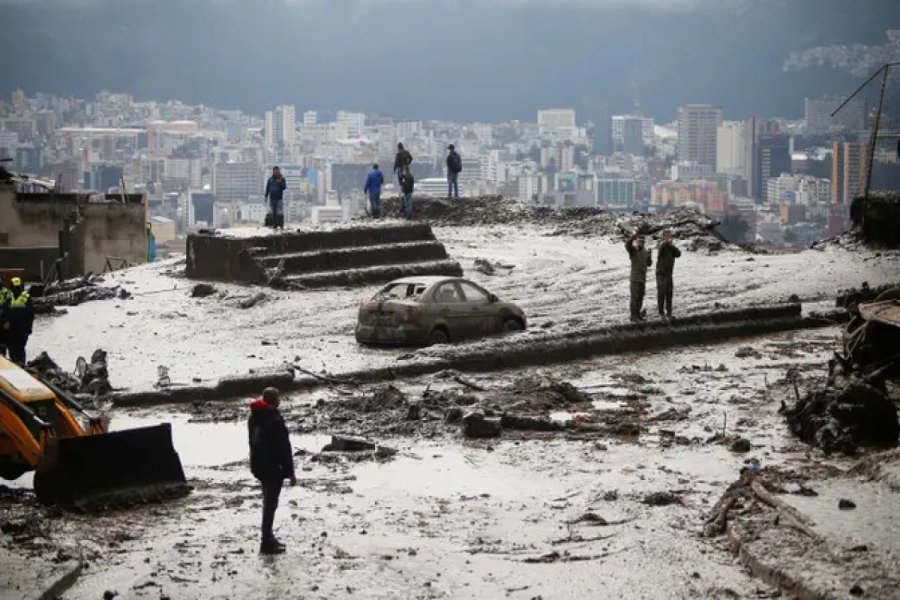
343	443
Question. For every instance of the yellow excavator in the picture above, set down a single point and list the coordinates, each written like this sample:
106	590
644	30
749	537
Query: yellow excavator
80	465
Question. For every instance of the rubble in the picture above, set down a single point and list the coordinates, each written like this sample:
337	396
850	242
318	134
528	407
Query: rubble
89	379
73	292
476	425
876	219
202	290
685	224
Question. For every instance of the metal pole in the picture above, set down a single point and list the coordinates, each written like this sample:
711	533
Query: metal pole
870	155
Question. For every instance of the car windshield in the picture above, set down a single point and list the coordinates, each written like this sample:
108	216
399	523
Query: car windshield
401	291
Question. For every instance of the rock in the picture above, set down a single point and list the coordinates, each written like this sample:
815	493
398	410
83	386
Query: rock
454	415
484	266
845	504
108	595
856	590
342	443
253	300
794	299
661	499
202	290
741	445
476	425
747	352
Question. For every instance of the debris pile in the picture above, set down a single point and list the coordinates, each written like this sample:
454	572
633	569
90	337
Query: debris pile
89	378
858	405
73	292
685	223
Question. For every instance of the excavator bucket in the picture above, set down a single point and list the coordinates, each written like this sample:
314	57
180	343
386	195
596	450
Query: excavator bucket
116	469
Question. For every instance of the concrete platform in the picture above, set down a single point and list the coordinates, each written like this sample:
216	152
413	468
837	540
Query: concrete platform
319	256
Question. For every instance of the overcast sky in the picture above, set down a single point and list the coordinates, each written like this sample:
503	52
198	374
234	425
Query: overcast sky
455	59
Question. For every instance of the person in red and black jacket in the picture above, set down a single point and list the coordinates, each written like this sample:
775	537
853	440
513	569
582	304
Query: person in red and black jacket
271	460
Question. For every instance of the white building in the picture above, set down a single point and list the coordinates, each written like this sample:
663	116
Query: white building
237	181
557	122
616	192
697	130
631	133
310	117
280	126
731	149
799	189
435	187
690	171
351	123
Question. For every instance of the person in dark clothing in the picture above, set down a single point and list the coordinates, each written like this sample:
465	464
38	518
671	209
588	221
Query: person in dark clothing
374	181
275	187
407	185
401	161
454	167
271	461
640	262
665	265
17	319
5	299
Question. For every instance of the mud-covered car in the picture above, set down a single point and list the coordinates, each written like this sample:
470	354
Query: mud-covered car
434	310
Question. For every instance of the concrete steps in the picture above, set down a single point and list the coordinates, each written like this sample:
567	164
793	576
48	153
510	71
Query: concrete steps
356	257
373	274
348	255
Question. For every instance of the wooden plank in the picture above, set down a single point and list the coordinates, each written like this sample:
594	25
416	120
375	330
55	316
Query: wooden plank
887	312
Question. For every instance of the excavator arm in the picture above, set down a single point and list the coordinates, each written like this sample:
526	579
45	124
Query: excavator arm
23	437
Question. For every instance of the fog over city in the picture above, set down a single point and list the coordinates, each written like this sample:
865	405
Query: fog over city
455	59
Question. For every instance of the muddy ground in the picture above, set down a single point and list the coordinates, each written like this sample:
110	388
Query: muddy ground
610	499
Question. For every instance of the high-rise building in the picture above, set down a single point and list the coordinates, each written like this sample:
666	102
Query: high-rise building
285	125
310	118
235	182
731	149
848	171
270	129
852	117
631	134
697	127
352	123
772	158
616	192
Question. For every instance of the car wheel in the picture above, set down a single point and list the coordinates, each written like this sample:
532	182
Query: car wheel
512	325
438	336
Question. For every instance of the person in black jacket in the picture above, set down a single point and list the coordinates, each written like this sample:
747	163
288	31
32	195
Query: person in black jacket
407	185
665	265
271	461
401	161
454	167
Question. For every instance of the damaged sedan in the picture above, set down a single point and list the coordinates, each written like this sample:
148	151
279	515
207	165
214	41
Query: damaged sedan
434	310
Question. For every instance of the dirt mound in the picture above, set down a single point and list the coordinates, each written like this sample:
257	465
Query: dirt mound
686	224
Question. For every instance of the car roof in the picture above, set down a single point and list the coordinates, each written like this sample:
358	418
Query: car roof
428	280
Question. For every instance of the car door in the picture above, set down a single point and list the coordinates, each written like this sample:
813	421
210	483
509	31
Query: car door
450	308
481	315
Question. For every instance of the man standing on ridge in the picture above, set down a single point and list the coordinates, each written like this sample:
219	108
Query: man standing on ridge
640	262
407	185
372	189
454	167
401	161
665	265
271	461
275	187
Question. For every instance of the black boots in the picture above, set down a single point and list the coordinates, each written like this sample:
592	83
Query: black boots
271	546
279	221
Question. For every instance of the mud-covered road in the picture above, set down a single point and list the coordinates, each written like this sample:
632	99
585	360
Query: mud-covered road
564	283
550	515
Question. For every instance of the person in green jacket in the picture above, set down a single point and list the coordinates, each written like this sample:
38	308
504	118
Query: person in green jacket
665	265
640	262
